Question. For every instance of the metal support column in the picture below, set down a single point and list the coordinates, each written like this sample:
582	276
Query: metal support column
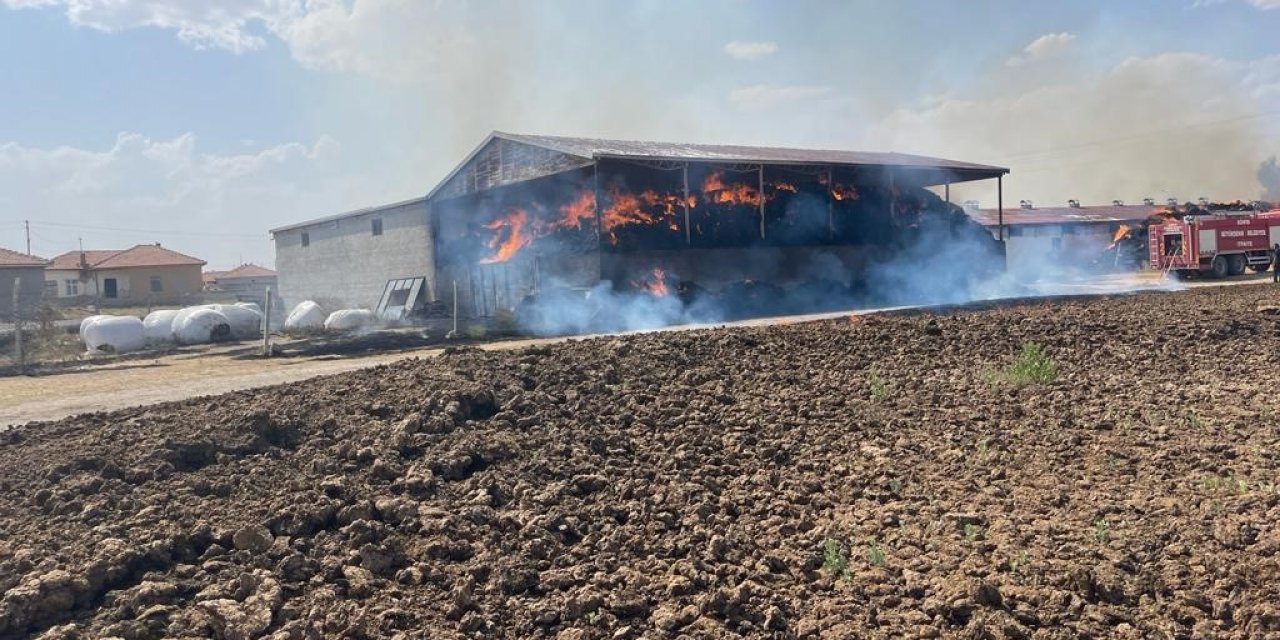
595	192
761	192
947	192
831	205
1000	205
688	232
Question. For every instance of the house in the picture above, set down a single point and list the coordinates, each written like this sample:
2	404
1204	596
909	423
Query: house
24	271
144	274
247	282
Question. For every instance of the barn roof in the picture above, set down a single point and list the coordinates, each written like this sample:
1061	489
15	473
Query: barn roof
591	149
1065	215
600	148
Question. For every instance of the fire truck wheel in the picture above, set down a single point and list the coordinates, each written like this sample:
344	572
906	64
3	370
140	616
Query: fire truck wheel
1260	268
1219	268
1236	264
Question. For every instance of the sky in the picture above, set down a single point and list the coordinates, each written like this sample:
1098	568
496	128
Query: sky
201	125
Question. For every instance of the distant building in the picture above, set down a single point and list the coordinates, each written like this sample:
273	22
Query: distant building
1051	238
28	272
145	274
345	260
247	282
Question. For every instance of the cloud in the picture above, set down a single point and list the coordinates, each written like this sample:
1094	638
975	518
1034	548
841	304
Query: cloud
750	50
1171	125
1045	46
766	96
216	205
225	24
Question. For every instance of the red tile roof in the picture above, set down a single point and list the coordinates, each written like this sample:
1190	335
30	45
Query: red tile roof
245	271
210	277
14	259
143	255
71	259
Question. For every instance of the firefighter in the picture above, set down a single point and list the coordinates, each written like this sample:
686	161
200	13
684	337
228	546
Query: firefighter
1275	263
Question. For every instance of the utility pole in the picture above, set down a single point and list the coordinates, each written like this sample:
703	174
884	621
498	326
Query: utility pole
27	224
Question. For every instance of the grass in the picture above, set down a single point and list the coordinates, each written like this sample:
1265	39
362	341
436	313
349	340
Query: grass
1019	564
1225	484
878	388
972	532
833	559
1032	366
875	555
1102	531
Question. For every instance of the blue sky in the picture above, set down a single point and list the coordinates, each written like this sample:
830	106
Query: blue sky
202	125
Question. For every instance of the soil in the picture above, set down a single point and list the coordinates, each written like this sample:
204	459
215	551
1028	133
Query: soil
879	476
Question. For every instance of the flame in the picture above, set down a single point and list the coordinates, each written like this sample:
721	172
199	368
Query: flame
574	214
779	185
1118	236
841	192
628	208
656	286
509	242
716	191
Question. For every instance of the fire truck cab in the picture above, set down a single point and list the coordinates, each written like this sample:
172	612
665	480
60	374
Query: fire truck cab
1217	245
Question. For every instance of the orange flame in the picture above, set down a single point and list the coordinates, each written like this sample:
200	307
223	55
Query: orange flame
656	286
1118	236
627	208
574	214
508	237
716	191
841	192
784	186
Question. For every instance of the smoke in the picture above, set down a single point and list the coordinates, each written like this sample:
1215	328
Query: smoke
1179	125
1269	176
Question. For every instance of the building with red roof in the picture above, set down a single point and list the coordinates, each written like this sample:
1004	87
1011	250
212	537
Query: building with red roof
247	282
144	274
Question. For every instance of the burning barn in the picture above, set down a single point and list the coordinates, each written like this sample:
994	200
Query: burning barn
538	225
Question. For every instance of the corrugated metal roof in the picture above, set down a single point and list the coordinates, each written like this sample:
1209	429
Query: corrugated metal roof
9	258
597	148
349	214
1065	215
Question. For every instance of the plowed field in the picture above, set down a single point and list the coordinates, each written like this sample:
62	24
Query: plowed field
889	476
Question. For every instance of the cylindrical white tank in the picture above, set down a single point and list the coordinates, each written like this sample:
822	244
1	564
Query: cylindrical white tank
348	319
307	316
114	334
245	323
157	327
200	326
88	321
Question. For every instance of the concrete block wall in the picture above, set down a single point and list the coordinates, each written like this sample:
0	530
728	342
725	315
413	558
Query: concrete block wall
345	265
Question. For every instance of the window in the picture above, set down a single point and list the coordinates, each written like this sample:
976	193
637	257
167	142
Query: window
156	285
377	226
50	288
306	239
72	287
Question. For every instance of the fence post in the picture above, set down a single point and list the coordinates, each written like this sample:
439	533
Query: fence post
455	308
18	355
266	326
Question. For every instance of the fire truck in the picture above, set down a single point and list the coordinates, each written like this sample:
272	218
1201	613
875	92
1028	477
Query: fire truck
1217	245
